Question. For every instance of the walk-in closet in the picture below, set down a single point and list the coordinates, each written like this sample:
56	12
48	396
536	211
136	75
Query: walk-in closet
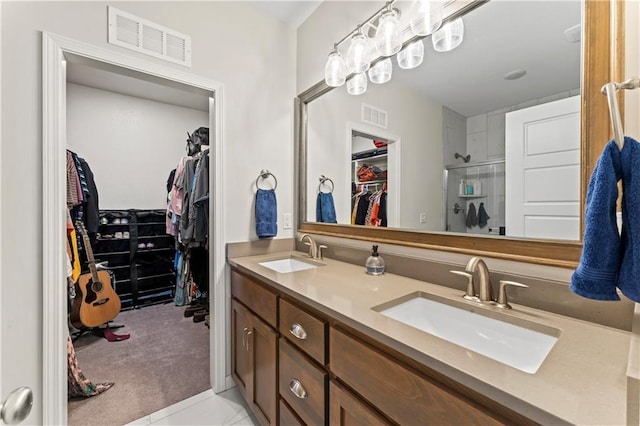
138	232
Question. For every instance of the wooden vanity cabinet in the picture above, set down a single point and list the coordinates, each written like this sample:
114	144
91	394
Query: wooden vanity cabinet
316	370
254	347
345	409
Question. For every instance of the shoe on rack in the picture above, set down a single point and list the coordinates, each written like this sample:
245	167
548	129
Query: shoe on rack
116	221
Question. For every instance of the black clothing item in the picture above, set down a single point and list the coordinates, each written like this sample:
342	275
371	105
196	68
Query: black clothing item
172	175
91	209
199	264
382	212
363	206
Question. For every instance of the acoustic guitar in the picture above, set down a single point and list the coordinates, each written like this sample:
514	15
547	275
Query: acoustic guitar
96	303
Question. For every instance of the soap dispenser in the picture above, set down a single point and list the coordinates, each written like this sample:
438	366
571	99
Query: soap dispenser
375	263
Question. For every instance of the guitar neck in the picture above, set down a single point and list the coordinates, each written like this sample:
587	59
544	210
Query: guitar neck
90	259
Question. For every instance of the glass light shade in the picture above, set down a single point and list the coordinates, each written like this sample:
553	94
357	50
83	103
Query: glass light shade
335	71
387	39
411	56
381	72
449	36
426	16
357	84
358	54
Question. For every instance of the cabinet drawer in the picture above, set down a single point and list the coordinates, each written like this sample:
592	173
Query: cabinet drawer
255	297
303	385
397	391
304	330
287	418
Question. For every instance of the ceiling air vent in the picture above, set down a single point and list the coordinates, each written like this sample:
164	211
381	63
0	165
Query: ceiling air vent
374	116
127	30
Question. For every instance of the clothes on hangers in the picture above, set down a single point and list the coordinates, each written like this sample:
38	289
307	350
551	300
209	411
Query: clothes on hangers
188	220
369	208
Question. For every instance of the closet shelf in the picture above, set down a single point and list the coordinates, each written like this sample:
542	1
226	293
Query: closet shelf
150	223
111	253
150	237
372	158
167	274
472	196
370	182
145	250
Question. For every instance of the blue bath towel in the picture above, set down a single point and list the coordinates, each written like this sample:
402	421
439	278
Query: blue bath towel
596	275
629	275
325	208
266	213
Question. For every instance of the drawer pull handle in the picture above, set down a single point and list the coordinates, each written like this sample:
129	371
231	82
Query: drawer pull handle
249	333
297	389
299	332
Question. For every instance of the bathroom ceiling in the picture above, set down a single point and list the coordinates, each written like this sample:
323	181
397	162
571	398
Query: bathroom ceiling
293	12
501	36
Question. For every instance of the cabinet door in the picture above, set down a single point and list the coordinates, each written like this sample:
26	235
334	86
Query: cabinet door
240	364
263	347
346	410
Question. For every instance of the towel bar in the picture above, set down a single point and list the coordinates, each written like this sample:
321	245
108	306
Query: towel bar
610	90
264	174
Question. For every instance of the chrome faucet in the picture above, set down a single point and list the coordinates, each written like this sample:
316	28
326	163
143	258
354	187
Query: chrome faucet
485	292
315	251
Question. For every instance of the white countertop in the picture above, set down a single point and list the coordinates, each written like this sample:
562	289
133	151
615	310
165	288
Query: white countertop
582	381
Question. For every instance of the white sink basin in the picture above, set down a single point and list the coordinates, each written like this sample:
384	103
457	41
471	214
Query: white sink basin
524	346
287	265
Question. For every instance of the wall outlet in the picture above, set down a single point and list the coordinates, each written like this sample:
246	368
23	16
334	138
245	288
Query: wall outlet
286	221
423	217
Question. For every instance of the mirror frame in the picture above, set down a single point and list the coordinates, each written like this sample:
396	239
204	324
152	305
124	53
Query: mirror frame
602	62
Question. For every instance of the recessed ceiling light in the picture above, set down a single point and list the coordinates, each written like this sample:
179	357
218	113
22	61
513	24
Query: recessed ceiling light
573	34
515	74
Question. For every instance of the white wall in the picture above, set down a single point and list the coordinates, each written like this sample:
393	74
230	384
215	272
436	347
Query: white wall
252	54
131	144
418	123
331	21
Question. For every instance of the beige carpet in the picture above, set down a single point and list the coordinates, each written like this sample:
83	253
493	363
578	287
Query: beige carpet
165	361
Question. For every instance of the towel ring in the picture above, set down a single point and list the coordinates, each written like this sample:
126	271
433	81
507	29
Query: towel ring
264	174
323	181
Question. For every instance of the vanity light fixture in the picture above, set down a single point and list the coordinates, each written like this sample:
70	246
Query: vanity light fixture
335	71
358	53
381	72
387	40
449	36
357	84
411	56
426	16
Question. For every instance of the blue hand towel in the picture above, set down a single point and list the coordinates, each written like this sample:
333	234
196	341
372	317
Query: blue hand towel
595	277
266	213
629	275
325	208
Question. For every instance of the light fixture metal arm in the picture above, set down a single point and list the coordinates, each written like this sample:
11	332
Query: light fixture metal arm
369	21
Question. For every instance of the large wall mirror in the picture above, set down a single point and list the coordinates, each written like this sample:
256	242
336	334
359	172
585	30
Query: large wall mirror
485	148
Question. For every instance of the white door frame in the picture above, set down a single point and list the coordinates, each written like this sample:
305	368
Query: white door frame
54	326
393	163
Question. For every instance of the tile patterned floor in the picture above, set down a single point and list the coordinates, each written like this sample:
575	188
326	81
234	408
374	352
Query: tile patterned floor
206	408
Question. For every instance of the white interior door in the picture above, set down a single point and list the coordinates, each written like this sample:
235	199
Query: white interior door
543	171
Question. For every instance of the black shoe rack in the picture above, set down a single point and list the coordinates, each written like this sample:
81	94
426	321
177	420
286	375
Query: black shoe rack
142	264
